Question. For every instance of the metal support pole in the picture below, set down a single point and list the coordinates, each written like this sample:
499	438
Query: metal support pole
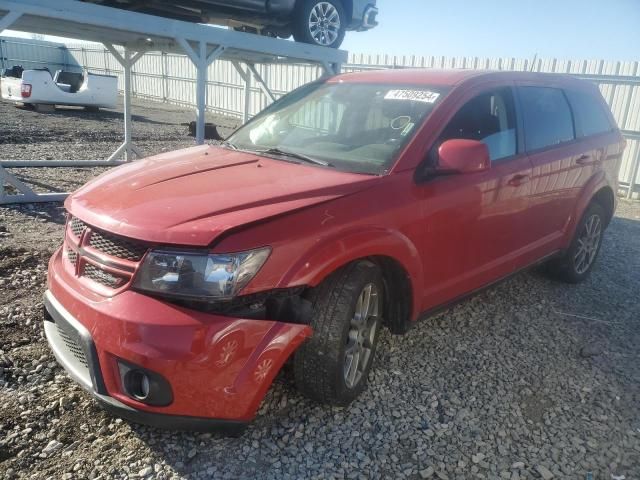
201	59
247	99
165	76
3	66
127	103
260	81
246	78
128	61
201	92
331	69
634	175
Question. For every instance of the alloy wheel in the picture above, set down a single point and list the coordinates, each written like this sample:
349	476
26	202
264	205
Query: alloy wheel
324	23
588	243
362	335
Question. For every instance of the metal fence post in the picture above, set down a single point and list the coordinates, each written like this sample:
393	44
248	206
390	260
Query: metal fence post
2	59
85	63
165	78
634	175
105	54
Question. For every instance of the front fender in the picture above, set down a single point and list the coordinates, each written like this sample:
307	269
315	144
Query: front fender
344	247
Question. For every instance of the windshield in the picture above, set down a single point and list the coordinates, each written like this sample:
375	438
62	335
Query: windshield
351	127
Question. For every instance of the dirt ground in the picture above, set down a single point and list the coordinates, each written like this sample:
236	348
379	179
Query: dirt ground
530	379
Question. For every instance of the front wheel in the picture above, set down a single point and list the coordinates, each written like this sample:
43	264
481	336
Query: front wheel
320	22
576	264
333	365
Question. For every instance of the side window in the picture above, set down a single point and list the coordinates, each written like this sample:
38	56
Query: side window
489	118
547	117
589	113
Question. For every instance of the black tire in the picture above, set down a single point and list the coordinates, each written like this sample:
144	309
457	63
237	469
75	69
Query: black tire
301	27
569	267
320	364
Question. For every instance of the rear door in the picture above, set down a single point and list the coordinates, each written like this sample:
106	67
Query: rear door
561	166
474	222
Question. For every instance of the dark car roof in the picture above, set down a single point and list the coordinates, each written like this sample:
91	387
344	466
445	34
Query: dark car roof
435	77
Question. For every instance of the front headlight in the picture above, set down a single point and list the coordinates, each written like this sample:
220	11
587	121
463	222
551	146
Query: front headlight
199	275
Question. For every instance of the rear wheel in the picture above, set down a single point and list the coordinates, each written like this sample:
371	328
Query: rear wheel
320	22
333	365
576	264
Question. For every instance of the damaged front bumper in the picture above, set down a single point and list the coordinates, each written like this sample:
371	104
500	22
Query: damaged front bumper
198	371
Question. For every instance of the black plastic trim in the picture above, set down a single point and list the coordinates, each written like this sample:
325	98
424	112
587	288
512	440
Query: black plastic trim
171	422
84	340
160	392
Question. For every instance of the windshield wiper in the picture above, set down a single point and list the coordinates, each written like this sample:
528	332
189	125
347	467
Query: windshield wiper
298	156
229	145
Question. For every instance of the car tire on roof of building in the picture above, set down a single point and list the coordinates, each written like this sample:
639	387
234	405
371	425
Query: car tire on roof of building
333	365
320	22
575	265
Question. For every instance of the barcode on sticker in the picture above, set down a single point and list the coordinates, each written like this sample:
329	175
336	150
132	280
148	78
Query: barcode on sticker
425	96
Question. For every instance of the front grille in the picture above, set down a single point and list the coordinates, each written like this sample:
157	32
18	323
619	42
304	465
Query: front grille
72	256
77	226
103	278
117	246
74	348
84	241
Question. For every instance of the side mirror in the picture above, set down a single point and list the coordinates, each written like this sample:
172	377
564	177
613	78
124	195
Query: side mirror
463	156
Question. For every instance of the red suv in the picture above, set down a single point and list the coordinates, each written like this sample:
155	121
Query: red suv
188	279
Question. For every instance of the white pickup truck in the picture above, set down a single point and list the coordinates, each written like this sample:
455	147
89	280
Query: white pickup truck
39	87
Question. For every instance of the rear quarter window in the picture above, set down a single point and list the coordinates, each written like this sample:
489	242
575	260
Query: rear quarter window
547	117
589	112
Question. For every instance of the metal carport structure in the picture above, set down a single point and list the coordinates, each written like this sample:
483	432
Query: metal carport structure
138	34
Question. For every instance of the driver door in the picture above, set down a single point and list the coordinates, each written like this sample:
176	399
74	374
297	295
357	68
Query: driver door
474	222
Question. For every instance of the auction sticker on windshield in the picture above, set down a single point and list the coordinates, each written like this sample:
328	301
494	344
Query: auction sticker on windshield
425	96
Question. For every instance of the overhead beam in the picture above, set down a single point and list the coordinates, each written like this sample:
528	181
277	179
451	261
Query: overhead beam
9	19
55	163
89	21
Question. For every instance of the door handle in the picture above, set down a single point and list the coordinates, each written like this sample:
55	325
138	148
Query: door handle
583	159
518	180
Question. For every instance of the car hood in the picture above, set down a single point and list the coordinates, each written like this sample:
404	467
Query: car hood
191	196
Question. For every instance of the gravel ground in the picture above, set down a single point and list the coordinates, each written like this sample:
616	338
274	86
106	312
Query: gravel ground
531	379
70	133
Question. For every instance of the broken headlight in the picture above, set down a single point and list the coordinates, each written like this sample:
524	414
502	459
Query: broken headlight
198	275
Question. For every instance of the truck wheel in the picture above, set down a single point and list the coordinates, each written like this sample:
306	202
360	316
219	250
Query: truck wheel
320	22
576	263
333	365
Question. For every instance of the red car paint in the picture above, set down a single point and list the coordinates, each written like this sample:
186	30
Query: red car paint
451	236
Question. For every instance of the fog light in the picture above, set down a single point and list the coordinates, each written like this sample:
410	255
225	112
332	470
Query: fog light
144	385
136	383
